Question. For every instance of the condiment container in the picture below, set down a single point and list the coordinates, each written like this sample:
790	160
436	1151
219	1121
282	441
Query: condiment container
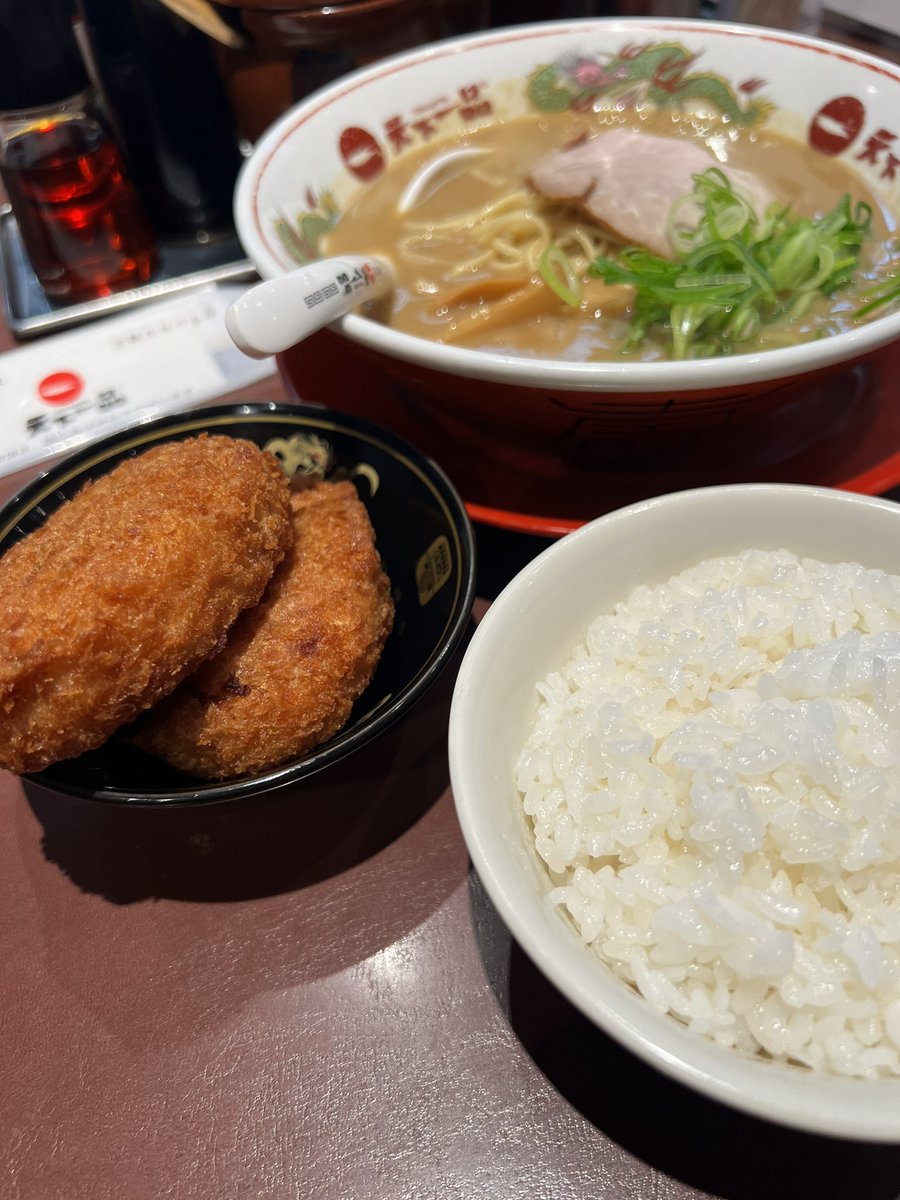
78	214
169	104
297	46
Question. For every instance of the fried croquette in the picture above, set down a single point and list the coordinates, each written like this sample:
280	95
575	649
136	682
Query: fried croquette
127	587
293	666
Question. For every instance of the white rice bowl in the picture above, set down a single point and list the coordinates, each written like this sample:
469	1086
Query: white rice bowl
675	754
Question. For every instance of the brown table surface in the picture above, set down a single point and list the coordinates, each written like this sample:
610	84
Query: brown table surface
308	994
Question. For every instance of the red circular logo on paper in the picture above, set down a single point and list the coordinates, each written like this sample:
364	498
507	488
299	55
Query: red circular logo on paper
361	153
836	124
62	387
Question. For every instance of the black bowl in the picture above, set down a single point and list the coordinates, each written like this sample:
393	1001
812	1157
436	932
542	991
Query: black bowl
423	534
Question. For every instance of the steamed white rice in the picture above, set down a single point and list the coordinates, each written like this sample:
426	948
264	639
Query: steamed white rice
713	781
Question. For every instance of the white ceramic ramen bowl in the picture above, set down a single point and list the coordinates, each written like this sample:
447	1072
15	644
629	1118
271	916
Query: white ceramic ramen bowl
305	169
528	632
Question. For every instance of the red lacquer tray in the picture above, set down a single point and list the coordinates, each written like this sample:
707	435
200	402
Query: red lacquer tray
844	431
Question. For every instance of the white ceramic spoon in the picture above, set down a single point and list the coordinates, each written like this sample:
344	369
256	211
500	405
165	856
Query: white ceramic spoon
426	174
279	313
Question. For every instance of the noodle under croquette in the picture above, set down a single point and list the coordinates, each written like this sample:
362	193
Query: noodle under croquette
292	667
127	587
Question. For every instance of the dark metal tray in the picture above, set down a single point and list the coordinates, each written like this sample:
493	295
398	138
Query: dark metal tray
29	313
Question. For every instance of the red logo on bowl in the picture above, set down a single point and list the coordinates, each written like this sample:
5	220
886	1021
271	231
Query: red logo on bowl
62	387
836	124
361	153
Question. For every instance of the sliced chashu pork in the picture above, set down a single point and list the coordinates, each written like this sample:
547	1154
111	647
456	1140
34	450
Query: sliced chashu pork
627	181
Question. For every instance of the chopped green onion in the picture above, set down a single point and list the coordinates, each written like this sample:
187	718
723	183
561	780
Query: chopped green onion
876	298
552	262
735	272
743	323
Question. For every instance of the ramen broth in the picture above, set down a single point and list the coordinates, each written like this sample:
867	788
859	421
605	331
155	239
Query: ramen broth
442	286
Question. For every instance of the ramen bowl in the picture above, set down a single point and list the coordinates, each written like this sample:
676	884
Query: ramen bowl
525	638
833	106
423	536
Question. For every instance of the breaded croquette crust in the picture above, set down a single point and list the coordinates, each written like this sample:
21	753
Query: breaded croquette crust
127	587
293	666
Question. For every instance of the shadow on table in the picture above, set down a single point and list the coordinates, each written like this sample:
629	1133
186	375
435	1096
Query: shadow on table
262	845
503	554
679	1132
